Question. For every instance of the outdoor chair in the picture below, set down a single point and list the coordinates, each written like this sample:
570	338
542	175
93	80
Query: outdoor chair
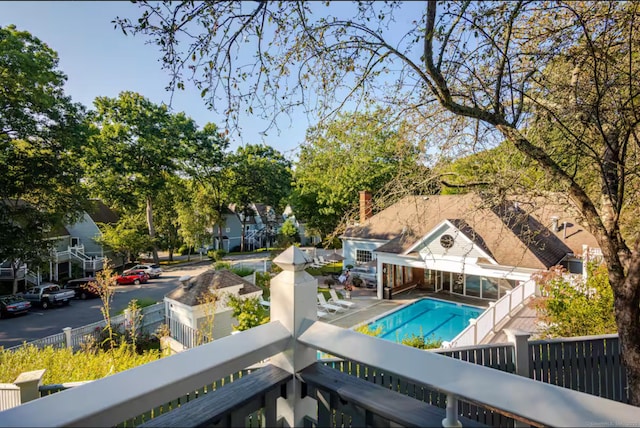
321	314
322	261
338	301
322	302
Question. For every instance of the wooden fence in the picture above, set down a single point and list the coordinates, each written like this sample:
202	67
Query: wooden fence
587	364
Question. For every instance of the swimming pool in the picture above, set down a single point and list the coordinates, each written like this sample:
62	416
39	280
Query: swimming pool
426	317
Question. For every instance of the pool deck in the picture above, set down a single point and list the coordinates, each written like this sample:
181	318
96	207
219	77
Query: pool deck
367	308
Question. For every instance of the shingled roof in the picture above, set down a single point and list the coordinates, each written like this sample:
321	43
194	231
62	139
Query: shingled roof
101	213
210	279
513	234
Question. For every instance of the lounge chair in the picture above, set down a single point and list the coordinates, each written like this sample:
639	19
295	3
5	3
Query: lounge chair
322	314
338	301
322	302
323	261
320	261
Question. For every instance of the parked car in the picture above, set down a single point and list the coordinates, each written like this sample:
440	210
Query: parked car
132	277
366	273
83	287
154	271
46	295
13	305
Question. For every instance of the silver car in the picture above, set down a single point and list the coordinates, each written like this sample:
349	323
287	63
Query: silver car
154	271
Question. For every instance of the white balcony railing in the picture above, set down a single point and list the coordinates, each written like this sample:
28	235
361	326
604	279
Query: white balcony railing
292	340
494	316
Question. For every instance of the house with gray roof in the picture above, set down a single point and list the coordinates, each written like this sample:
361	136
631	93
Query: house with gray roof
465	245
188	303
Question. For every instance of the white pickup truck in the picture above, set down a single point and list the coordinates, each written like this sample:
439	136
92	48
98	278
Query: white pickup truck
46	295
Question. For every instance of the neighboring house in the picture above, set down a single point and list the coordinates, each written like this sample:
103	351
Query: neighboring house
306	238
459	244
73	245
185	303
261	228
77	244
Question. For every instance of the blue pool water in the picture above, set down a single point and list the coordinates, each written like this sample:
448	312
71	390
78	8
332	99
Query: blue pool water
431	318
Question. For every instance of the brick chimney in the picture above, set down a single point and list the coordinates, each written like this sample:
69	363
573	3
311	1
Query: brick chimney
365	206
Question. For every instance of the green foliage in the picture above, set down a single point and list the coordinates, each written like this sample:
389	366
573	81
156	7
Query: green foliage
289	235
420	342
41	137
581	309
263	280
216	255
367	330
222	265
242	270
128	237
248	311
63	365
357	151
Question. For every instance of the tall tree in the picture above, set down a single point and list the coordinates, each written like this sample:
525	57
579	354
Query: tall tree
134	150
259	174
205	163
523	71
357	151
41	132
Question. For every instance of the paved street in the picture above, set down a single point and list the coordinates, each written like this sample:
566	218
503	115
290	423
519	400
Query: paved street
40	323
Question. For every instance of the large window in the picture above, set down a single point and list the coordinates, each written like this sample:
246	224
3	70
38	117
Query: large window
363	256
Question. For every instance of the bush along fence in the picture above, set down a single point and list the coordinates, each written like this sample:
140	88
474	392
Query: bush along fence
152	317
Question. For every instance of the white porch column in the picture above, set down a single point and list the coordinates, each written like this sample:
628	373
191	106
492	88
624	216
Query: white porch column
293	299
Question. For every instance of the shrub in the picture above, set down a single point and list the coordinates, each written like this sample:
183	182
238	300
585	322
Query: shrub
248	311
420	342
263	280
242	271
216	255
578	308
63	365
366	329
222	265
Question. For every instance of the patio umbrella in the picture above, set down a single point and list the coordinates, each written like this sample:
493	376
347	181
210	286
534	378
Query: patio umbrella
334	257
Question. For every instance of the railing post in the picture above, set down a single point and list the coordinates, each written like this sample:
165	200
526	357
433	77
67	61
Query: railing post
520	340
451	421
492	308
29	384
472	322
67	337
293	299
509	294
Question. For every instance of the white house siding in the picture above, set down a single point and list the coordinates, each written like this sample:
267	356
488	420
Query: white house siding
349	248
462	247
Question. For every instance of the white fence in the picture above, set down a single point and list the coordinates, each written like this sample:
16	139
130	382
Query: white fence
497	313
152	317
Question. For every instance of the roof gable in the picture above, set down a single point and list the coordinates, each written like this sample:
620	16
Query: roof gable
466	241
508	234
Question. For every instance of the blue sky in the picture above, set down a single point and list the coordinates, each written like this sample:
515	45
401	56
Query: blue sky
101	61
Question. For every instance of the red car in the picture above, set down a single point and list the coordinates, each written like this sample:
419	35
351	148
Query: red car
133	277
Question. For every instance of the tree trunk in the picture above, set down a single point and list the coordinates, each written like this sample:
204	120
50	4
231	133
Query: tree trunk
170	254
627	311
152	231
15	267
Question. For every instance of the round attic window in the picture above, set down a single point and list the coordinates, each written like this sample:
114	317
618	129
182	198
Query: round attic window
446	241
